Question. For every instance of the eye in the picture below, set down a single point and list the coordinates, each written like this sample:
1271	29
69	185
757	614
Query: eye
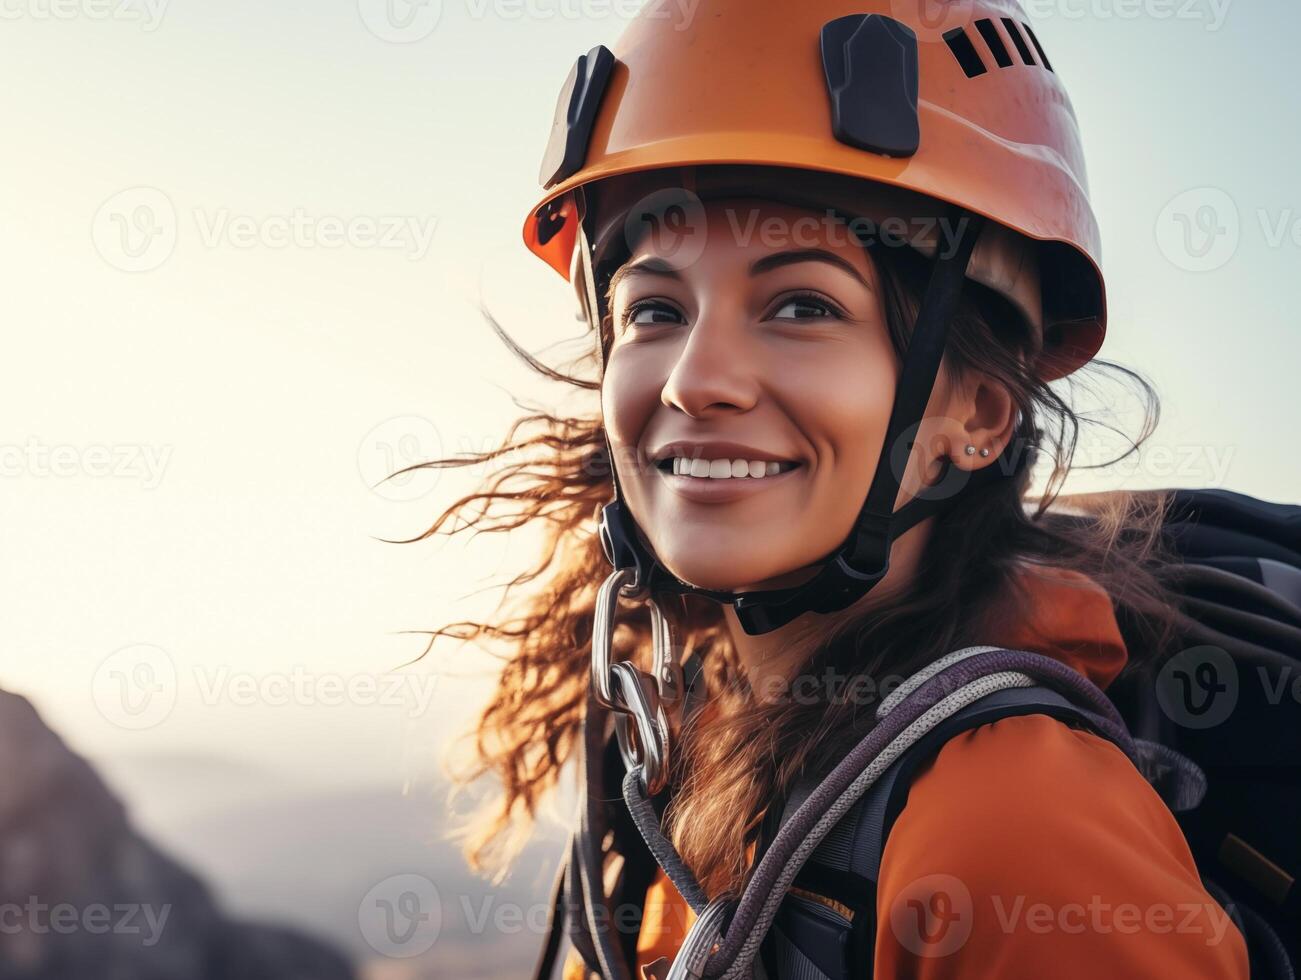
806	306
650	312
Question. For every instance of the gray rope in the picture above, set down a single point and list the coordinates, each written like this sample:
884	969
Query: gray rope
648	822
965	670
689	963
1099	709
946	686
951	704
704	935
1176	778
897	696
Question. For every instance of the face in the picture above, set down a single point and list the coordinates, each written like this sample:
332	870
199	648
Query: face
747	393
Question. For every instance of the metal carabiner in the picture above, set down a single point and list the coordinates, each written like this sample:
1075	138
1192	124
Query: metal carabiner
664	660
607	601
641	726
653	700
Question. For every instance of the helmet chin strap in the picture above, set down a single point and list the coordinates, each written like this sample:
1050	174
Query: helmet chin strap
861	561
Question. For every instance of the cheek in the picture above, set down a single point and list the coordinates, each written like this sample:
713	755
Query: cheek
629	395
842	402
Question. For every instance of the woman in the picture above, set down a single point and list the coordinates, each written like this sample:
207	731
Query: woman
832	255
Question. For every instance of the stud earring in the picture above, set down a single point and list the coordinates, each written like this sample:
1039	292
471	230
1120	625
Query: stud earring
971	450
985	451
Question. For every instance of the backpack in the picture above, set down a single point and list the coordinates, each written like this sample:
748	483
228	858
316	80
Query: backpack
1221	721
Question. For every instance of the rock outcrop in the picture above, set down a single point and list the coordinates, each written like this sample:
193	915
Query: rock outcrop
82	895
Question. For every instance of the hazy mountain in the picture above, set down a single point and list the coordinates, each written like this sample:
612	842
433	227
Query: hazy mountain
319	858
86	896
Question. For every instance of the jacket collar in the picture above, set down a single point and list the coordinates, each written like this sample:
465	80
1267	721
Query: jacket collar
1068	616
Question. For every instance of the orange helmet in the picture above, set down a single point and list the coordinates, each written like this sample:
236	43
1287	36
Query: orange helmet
970	113
930	108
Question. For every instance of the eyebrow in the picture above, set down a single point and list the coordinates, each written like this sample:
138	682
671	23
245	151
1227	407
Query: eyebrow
655	266
779	259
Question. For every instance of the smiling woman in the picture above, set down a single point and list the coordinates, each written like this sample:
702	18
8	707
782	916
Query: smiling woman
825	351
755	354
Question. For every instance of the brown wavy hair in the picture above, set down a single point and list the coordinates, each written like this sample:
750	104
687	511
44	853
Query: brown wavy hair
559	477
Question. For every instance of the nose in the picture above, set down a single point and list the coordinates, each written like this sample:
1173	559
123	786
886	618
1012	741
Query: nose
715	369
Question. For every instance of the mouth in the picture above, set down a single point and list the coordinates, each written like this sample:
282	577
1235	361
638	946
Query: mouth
717	471
724	468
721	479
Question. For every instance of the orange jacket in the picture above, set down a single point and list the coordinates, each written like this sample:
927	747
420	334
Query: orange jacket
1029	849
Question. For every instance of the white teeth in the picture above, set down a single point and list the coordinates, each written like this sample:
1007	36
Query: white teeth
725	469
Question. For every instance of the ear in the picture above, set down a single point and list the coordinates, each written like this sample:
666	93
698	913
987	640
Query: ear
980	413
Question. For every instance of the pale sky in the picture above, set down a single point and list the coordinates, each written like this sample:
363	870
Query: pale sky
189	431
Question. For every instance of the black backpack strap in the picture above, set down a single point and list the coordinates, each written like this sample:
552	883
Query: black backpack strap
826	928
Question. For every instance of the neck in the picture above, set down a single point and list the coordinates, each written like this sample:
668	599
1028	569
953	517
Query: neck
770	661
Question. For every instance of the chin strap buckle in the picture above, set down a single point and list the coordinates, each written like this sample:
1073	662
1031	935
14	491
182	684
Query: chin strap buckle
866	558
622	549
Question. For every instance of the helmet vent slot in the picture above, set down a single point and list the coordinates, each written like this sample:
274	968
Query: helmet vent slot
1014	33
965	52
969	58
995	43
1043	58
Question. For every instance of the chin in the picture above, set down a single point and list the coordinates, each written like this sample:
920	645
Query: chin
733	575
